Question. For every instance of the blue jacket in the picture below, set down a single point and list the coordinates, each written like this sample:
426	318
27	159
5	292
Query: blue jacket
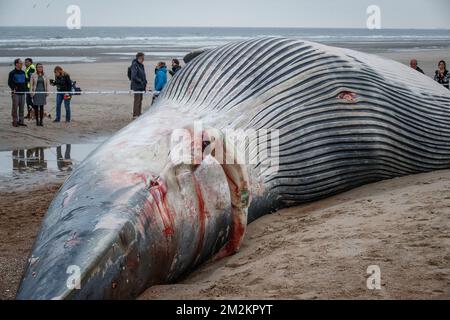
17	81
138	77
161	78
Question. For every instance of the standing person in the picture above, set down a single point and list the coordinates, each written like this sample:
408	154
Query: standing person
413	64
161	76
136	74
17	82
175	67
39	93
442	75
30	68
63	85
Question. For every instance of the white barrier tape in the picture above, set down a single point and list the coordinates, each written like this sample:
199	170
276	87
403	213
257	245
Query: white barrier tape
109	92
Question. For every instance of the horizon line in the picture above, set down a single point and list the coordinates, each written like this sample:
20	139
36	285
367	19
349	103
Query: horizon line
228	27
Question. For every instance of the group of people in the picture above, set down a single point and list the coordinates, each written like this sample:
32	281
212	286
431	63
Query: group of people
138	78
442	75
31	87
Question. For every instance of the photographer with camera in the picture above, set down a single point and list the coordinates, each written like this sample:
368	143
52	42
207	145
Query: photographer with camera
64	86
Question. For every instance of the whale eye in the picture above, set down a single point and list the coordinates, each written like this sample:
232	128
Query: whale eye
347	96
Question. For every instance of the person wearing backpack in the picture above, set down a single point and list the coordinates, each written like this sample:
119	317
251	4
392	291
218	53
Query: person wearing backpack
63	85
136	74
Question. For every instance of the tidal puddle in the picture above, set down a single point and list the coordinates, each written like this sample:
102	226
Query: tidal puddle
31	165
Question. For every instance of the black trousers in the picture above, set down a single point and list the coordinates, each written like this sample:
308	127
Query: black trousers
30	105
39	114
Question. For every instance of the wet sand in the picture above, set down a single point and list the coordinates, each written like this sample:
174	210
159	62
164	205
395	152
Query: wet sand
320	250
21	214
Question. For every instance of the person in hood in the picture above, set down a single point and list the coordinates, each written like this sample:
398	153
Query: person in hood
138	80
17	82
442	75
175	67
161	76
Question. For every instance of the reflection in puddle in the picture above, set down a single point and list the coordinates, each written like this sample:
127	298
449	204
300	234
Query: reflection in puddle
59	161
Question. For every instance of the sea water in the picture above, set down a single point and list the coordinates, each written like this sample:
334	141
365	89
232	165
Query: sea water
90	44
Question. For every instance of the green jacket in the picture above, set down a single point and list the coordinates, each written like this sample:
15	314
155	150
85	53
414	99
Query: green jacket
28	73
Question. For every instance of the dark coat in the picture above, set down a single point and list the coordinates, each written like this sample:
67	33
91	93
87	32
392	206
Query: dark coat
420	70
17	81
444	79
174	70
138	77
63	83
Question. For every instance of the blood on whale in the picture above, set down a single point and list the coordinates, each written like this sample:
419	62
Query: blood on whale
157	190
201	215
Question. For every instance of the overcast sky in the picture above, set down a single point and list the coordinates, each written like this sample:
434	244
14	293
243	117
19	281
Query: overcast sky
237	13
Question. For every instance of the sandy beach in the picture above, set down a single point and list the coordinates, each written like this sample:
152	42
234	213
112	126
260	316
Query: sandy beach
316	251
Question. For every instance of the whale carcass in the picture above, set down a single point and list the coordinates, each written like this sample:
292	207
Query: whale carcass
133	215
